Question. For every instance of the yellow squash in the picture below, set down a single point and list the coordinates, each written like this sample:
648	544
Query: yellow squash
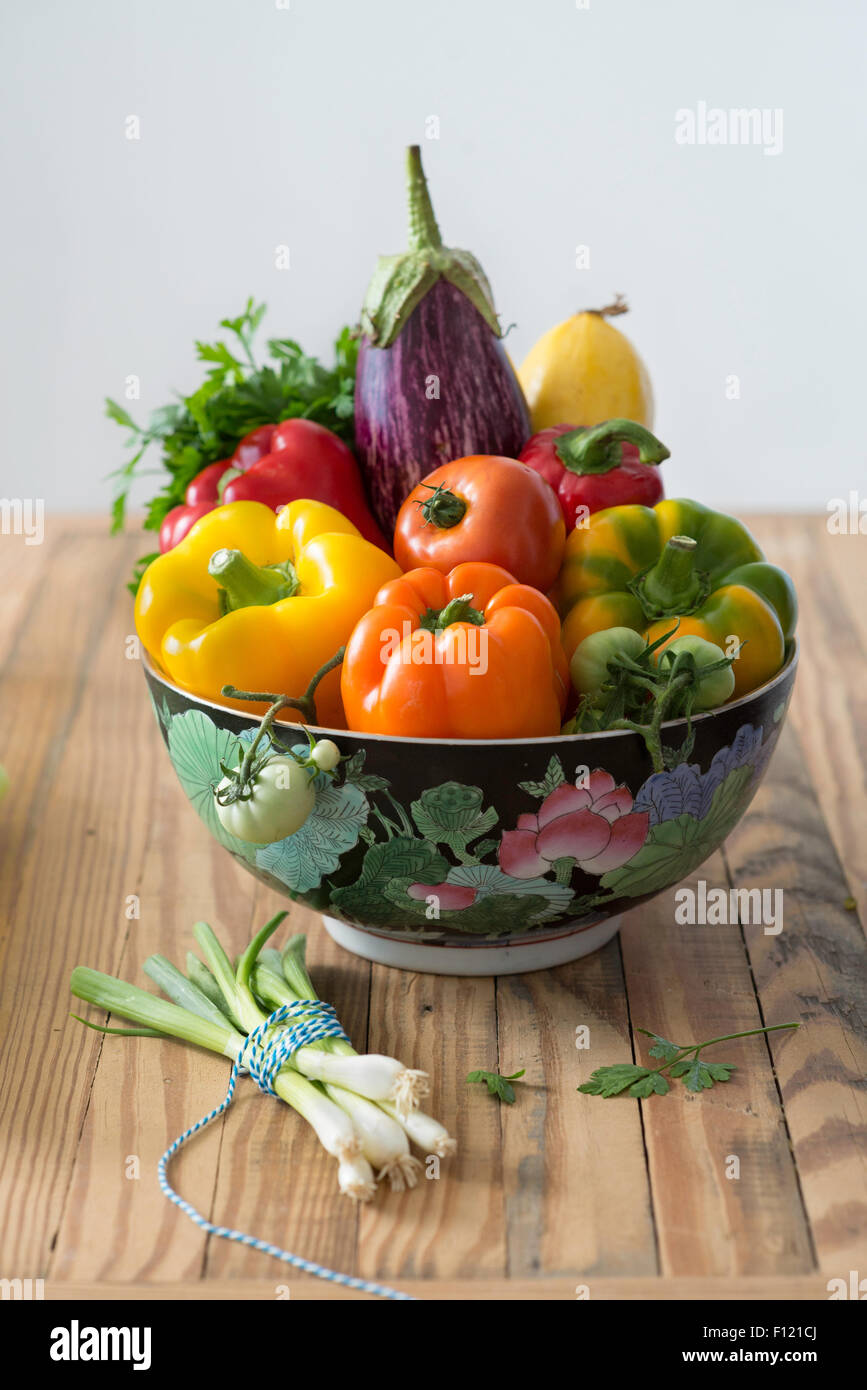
585	371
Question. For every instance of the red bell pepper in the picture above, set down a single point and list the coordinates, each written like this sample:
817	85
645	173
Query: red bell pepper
253	447
276	464
202	496
602	466
308	460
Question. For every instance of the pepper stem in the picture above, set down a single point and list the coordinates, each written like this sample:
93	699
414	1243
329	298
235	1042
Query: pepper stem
245	585
424	234
598	450
458	610
305	704
673	586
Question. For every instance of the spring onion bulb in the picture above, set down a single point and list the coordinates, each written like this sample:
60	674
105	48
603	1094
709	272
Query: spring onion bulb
370	1075
355	1179
334	1127
383	1141
423	1130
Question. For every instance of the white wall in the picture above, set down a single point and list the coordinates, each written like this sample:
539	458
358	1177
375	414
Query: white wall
262	126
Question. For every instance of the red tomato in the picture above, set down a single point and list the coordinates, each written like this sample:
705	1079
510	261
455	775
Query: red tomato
484	507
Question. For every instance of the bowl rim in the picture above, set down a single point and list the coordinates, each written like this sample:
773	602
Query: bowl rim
570	740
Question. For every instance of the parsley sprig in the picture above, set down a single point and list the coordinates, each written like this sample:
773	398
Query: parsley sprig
238	394
498	1085
683	1062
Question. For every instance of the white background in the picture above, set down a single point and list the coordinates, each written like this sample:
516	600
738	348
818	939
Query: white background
262	126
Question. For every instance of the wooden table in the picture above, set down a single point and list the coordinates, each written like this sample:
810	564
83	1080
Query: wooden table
103	862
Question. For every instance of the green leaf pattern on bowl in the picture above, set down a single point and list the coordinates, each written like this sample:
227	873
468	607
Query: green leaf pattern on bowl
393	851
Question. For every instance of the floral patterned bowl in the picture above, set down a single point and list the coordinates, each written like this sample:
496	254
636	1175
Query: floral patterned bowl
485	857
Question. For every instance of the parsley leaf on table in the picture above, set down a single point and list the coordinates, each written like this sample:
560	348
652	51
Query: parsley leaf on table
680	1062
498	1085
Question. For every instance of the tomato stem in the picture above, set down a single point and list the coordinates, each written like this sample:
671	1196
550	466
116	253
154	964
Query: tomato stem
305	704
651	732
444	509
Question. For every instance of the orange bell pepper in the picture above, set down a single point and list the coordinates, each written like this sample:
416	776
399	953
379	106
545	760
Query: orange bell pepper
468	654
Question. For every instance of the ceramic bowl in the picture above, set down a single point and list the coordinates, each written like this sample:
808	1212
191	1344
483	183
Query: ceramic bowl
488	857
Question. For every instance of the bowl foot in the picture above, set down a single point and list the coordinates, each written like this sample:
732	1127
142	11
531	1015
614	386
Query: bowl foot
472	959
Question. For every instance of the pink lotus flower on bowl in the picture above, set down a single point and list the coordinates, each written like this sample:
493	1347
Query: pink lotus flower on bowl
451	896
594	825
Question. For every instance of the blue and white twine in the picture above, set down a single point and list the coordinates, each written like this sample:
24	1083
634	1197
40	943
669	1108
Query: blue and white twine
309	1020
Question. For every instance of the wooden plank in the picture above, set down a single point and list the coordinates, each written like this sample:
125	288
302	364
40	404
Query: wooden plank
813	970
140	1093
714	1217
450	1226
112	1224
577	1195
62	867
750	1290
22	571
829	705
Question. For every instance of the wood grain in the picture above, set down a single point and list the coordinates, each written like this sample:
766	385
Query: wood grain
725	1188
571	1161
70	830
814	970
561	1189
451	1226
829	705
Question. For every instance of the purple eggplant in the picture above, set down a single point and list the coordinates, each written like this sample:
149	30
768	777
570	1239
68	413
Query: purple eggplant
433	381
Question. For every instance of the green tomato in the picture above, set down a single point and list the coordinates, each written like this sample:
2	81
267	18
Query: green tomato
325	754
589	664
716	688
282	797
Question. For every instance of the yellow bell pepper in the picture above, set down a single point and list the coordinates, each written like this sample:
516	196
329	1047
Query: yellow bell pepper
260	601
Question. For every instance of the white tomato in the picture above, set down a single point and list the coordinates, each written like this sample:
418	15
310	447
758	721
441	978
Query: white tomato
276	803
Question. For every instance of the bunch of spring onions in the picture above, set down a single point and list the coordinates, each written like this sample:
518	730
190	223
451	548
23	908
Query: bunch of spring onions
364	1108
